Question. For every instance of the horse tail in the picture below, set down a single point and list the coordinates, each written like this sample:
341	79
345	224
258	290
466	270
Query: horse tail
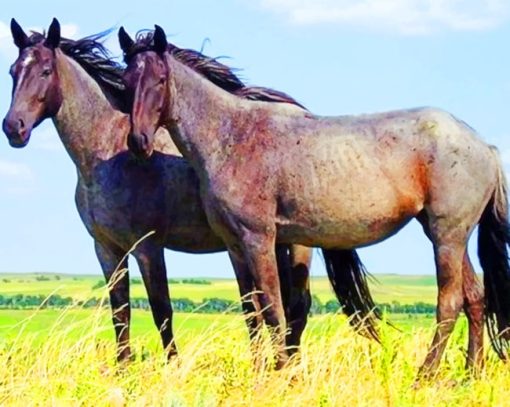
493	241
348	278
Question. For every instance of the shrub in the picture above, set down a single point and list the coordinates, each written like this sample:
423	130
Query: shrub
195	281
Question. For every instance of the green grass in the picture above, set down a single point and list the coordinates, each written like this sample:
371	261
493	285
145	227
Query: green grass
42	323
405	289
388	288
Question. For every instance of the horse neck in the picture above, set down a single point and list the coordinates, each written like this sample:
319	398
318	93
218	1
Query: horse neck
200	117
89	127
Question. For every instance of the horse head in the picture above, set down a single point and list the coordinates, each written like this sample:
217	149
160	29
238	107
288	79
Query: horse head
146	81
36	93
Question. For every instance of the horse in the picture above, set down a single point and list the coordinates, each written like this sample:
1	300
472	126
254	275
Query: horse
120	198
272	173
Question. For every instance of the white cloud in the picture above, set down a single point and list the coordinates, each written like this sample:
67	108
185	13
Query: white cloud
7	48
408	17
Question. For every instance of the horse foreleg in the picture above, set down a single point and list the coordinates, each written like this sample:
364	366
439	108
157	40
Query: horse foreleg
151	261
260	255
295	291
114	267
474	309
249	298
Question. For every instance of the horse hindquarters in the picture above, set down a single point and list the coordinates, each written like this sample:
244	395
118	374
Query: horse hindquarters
472	172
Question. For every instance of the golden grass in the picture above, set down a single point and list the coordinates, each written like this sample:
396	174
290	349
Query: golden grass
336	368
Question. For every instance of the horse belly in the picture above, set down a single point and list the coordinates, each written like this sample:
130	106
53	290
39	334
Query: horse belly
344	215
342	233
347	194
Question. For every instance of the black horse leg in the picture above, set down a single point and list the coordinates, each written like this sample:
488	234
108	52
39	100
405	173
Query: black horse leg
151	261
114	266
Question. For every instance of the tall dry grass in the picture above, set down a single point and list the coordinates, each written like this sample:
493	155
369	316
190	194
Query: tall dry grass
73	365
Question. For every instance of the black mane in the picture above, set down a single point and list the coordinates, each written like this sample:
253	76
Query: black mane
90	53
216	72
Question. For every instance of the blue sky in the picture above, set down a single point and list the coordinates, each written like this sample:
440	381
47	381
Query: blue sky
336	57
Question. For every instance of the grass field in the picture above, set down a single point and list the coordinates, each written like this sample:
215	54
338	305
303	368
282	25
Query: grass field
67	357
56	357
388	288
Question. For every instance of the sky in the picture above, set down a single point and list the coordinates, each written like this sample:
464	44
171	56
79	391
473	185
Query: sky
334	56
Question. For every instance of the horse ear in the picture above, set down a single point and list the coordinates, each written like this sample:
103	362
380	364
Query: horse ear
125	41
160	42
53	37
19	36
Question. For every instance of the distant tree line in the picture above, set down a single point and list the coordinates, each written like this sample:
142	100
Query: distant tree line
207	305
135	281
332	306
101	283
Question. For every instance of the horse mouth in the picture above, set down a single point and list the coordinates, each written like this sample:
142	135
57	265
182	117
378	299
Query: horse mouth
139	146
142	155
19	142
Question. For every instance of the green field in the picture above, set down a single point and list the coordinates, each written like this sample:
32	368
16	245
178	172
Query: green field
388	288
43	322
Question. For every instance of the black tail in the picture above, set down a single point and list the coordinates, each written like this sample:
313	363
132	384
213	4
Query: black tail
348	277
493	240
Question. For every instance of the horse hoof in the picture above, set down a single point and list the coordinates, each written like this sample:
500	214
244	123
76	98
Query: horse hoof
281	363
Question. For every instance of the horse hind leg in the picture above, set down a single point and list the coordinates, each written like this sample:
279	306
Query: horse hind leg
473	294
449	251
474	309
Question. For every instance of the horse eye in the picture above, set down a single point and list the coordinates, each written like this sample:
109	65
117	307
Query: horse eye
161	80
46	72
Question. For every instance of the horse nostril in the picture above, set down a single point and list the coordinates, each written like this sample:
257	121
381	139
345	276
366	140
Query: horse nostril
21	124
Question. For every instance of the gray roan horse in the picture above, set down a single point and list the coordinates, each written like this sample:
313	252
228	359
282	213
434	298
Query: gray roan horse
120	198
273	173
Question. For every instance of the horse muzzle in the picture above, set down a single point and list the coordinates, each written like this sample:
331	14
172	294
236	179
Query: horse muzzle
16	131
139	145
